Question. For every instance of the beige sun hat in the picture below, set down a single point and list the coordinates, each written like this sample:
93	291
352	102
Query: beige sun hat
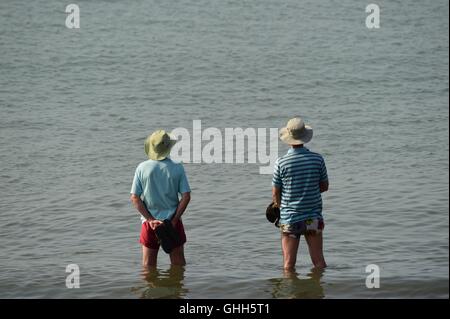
158	145
296	132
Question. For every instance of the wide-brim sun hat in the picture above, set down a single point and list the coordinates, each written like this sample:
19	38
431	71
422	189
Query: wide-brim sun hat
296	132
157	146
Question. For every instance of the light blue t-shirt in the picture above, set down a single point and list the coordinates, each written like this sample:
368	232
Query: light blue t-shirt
158	183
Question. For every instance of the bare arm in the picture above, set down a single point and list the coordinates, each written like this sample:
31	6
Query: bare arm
185	199
139	205
276	196
323	186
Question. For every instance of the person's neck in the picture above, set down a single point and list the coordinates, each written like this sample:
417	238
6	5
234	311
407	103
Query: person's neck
297	146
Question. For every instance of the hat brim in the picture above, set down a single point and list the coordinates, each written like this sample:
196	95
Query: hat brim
303	139
159	156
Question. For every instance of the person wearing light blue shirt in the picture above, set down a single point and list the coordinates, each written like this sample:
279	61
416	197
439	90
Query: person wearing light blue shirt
157	186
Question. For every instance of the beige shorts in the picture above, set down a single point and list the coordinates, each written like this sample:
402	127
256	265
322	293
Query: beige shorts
304	227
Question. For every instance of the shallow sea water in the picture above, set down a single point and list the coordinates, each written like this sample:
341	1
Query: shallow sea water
76	106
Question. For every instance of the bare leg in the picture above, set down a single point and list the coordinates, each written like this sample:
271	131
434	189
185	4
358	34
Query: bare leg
177	256
289	246
315	246
149	256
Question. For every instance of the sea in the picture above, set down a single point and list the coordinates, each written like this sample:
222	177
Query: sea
76	105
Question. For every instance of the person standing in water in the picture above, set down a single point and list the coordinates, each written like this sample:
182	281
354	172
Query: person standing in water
299	178
155	191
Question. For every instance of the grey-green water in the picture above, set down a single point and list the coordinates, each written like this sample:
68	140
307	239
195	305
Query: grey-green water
76	106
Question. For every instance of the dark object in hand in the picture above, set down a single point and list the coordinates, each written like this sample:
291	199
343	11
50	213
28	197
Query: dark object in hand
167	236
273	214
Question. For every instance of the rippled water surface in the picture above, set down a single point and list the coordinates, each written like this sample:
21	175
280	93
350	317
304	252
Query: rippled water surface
76	106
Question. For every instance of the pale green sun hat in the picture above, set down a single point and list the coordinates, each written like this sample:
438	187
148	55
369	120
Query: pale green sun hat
157	146
296	132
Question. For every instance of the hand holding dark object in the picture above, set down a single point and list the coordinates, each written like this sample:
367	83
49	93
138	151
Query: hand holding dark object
174	221
154	223
167	236
273	213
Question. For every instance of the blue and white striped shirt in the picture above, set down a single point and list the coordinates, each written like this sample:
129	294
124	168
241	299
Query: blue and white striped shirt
298	174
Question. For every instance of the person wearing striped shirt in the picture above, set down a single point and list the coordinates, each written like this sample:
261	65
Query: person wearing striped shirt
299	178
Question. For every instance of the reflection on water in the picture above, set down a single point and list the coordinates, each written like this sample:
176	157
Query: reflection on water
163	283
293	287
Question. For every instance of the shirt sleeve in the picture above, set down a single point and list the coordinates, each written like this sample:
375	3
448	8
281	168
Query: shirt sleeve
276	178
136	187
183	186
323	172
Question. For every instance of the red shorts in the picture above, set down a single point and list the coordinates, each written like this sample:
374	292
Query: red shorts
148	237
